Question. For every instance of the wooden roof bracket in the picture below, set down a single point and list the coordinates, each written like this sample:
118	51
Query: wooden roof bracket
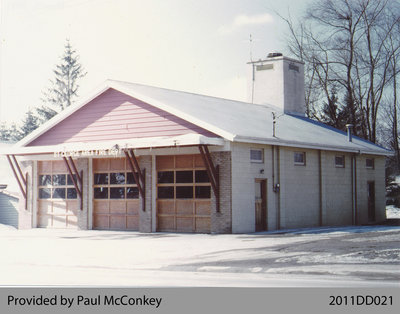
21	179
76	180
212	171
139	175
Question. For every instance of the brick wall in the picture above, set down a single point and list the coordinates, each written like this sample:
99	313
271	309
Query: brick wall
146	216
221	222
82	164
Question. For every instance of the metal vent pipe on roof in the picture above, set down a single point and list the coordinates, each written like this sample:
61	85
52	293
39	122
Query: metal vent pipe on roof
349	128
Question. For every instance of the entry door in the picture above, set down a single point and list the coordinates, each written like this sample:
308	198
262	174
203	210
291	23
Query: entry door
261	205
371	201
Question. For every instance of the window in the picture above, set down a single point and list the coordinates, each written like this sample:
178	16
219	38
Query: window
56	187
370	163
183	184
339	161
256	155
114	186
300	158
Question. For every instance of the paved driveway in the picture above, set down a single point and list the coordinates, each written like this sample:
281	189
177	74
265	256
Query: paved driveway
354	256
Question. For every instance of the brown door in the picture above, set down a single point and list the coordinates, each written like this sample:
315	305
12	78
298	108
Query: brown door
183	194
57	198
371	201
261	205
116	195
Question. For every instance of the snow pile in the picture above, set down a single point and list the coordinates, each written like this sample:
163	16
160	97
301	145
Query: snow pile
392	212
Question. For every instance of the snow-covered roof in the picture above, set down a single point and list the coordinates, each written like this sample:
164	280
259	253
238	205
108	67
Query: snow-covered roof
234	121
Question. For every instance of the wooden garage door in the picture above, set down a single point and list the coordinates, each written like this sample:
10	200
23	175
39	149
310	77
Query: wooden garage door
183	194
116	195
57	204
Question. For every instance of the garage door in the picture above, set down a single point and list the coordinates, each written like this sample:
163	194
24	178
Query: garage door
183	194
115	195
57	204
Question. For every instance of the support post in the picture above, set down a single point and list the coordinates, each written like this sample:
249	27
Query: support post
138	174
78	184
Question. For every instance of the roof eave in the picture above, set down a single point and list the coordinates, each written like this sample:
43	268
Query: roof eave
285	143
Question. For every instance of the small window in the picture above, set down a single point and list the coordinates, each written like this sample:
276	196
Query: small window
165	192
203	191
71	193
44	193
165	177
117	193
117	178
59	193
184	176
59	179
300	158
184	191
69	181
370	163
44	180
101	193
339	161
256	155
130	179
132	192
201	176
101	178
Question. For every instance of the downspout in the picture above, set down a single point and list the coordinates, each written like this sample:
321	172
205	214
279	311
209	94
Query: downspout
320	186
353	176
354	188
278	187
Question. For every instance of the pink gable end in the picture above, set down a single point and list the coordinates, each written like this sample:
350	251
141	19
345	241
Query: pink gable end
114	115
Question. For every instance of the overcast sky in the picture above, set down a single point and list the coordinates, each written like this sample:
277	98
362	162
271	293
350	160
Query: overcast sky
200	46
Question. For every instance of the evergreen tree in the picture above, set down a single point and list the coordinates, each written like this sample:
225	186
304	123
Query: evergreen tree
64	88
29	124
9	134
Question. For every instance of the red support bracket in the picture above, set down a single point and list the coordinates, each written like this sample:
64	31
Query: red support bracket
212	171
76	180
139	175
21	179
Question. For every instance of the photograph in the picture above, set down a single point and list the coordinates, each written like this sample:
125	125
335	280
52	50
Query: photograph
186	150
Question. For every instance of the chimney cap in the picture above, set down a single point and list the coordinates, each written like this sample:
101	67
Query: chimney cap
274	54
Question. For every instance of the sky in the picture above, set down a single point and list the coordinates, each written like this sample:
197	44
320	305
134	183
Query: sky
189	45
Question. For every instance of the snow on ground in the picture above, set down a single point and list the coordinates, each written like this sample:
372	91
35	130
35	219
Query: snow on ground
345	256
392	212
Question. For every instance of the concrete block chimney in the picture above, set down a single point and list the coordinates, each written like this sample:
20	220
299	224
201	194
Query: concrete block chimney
277	81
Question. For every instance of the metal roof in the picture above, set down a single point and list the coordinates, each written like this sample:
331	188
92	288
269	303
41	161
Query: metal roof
234	121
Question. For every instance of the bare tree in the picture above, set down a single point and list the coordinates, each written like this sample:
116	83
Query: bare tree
349	51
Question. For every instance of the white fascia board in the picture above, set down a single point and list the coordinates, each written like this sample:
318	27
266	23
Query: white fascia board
152	142
156	103
279	142
62	115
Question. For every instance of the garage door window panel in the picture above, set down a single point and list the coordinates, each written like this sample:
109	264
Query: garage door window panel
184	192
117	193
132	192
117	178
101	193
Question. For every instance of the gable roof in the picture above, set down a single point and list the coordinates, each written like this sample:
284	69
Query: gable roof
234	121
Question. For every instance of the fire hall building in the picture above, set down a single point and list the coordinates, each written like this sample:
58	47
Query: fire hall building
143	158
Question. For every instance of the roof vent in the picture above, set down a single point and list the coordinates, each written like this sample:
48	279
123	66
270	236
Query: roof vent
274	54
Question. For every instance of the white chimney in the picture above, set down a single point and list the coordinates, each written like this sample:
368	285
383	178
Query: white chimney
277	81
